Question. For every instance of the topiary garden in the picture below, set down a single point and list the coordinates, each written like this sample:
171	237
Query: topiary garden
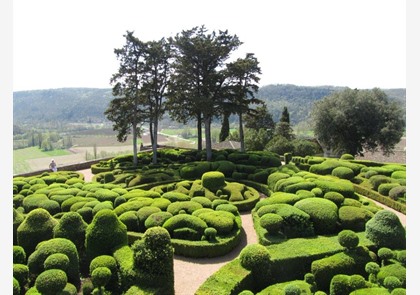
317	228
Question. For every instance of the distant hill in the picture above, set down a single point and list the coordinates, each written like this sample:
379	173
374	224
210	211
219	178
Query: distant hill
299	99
67	105
60	105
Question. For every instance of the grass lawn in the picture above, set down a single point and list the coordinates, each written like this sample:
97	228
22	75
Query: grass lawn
21	156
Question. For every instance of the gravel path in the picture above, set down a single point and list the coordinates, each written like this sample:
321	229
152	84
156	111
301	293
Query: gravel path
191	273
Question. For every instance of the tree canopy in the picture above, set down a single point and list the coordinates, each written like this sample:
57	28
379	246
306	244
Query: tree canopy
354	121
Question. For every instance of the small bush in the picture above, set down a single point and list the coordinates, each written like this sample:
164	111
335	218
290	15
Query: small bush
385	230
348	239
271	222
254	257
51	281
100	276
19	255
213	180
343	173
156	219
384	188
57	261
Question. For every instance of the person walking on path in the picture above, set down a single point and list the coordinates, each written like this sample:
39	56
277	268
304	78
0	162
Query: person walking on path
53	166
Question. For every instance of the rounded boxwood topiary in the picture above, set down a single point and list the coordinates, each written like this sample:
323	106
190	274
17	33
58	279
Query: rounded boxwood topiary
343	173
397	192
323	213
348	239
157	219
37	227
255	257
57	261
222	221
213	180
181	221
16	287
131	221
19	255
51	282
72	226
203	201
56	245
384	188
32	201
189	207
101	276
109	262
104	234
335	197
354	218
271	222
385	230
153	257
21	274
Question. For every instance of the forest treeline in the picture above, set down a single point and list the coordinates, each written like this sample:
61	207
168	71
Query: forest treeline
87	105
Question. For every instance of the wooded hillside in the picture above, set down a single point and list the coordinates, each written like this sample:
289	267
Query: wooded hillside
69	105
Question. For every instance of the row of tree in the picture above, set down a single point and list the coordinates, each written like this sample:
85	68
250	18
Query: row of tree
188	76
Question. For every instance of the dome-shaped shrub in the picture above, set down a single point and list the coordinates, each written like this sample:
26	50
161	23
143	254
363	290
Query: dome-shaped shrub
335	197
254	257
21	274
203	201
213	180
16	287
222	221
194	226
32	201
53	207
157	219
323	213
108	205
271	222
57	245
153	257
347	157
189	207
106	195
101	276
19	255
176	196
384	188
57	261
109	262
51	282
354	218
131	221
385	230
395	270
397	192
348	239
72	226
342	186
104	234
37	227
343	173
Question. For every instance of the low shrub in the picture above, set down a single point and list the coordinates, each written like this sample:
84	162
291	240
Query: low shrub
38	226
156	219
353	218
323	214
104	234
385	230
57	261
51	281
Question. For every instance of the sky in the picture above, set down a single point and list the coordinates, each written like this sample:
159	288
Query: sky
358	43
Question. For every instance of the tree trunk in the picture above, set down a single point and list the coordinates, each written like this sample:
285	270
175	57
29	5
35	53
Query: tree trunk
135	159
199	133
241	133
207	131
155	141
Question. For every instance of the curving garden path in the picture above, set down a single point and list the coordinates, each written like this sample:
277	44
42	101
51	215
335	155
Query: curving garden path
191	273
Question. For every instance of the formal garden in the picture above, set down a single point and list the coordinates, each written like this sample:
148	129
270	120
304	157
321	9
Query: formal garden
319	232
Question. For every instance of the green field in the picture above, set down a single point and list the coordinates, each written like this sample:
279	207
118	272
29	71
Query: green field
21	156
